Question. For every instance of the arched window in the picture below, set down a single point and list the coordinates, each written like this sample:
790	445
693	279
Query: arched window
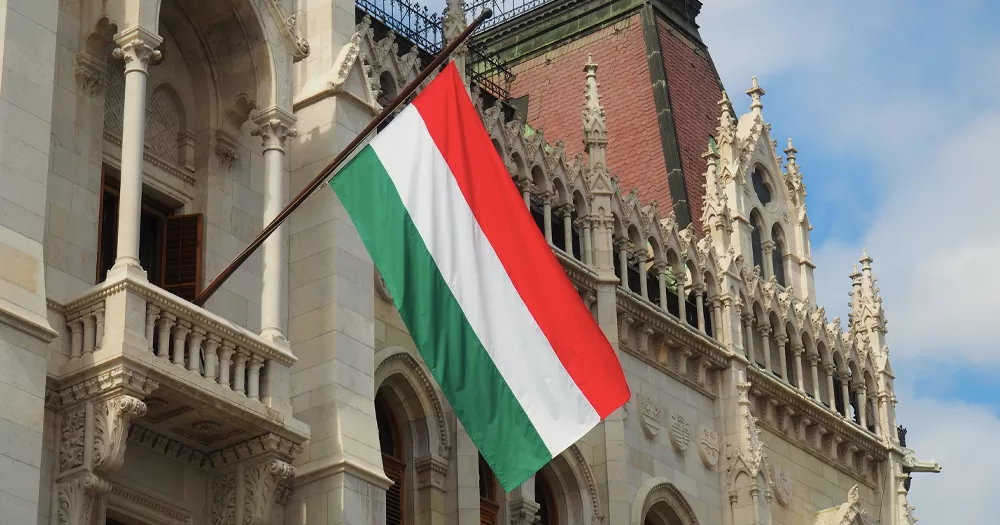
488	504
662	514
755	241
548	512
390	442
759	186
778	256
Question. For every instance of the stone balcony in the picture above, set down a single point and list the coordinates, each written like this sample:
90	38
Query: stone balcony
210	387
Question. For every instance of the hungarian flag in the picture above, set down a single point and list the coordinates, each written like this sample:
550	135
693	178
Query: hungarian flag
508	339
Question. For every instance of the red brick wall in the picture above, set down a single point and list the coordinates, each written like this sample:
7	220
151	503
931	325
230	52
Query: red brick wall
555	82
694	97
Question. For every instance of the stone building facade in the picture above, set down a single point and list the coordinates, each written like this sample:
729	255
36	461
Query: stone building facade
146	142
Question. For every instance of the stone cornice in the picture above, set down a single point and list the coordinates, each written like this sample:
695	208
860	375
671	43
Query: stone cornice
700	344
33	327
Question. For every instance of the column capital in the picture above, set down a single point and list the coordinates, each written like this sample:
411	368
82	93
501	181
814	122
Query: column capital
274	126
546	197
137	46
564	210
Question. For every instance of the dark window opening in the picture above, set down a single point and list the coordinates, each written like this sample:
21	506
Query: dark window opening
778	259
759	187
691	310
755	242
548	512
707	312
838	393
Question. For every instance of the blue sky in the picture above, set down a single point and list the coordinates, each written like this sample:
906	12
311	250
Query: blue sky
893	107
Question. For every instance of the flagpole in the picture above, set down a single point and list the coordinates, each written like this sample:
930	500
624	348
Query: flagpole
325	174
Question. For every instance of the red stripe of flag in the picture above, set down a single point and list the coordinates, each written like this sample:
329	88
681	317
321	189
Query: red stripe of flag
537	275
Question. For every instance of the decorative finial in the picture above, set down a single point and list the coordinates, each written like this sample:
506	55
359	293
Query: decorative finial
790	151
595	133
855	275
865	260
755	93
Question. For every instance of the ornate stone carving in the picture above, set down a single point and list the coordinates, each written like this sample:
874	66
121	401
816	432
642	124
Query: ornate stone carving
523	511
90	74
679	432
76	499
650	417
273	132
782	486
136	53
224	499
74	428
111	421
432	471
227	148
708	446
261	485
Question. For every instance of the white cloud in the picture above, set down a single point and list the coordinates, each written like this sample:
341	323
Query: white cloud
959	436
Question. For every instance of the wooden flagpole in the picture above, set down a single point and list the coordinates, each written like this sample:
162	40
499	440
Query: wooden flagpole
327	173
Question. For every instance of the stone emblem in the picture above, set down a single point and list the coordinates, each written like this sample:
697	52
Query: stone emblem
650	417
782	485
708	446
679	432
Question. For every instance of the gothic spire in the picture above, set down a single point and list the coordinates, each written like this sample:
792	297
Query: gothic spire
595	131
866	302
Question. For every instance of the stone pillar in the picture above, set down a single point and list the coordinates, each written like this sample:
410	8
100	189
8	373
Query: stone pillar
588	257
681	294
828	368
861	398
547	215
814	370
845	394
767	248
522	504
782	340
797	350
565	211
524	186
765	334
699	304
331	319
748	338
718	322
432	474
622	246
661	277
640	262
274	128
136	47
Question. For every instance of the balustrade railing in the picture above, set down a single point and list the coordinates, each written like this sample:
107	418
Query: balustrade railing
193	340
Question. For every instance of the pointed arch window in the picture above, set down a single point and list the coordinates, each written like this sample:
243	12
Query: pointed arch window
390	442
759	186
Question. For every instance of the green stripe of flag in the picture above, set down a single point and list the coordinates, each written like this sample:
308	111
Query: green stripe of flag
454	354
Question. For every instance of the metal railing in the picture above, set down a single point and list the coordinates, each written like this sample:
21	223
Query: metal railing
414	22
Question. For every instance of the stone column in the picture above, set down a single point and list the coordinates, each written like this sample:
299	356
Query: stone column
765	334
136	48
861	398
681	294
622	245
699	305
640	262
524	186
797	350
814	370
587	246
828	368
565	211
273	128
845	394
522	504
547	215
782	340
748	338
718	322
661	277
767	248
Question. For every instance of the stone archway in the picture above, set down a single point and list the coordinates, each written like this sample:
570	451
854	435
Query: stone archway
659	502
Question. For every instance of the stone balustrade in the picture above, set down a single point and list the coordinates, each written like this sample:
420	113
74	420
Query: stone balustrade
177	337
